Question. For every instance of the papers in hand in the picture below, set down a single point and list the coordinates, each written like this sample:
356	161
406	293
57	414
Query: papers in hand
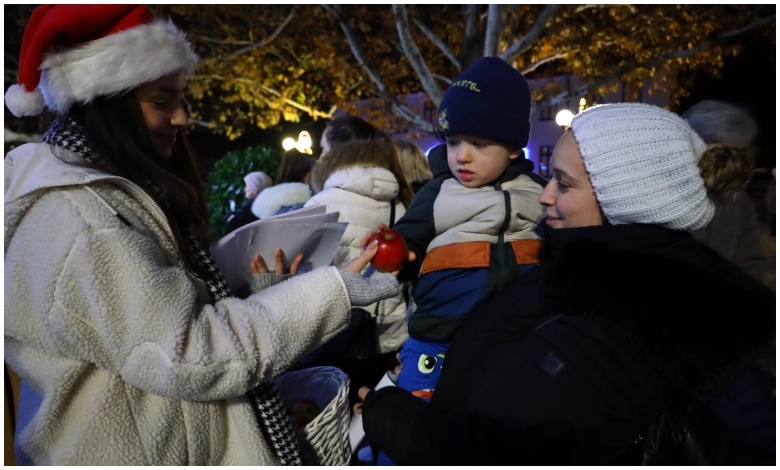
309	230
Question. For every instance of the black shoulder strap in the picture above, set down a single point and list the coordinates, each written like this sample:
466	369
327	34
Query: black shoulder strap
547	322
392	213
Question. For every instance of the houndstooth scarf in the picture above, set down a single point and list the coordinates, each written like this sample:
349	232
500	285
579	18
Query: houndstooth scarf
269	410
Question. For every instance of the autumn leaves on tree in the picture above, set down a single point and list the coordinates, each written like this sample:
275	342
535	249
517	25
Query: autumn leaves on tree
261	64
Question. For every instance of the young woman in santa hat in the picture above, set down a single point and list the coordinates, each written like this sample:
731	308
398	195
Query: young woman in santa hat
130	346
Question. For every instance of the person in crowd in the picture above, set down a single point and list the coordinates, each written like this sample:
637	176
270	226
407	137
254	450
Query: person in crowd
130	346
414	163
736	234
577	361
292	189
734	231
256	182
474	228
346	129
363	181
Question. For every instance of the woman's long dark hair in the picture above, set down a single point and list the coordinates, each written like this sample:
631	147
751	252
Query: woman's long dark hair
116	131
294	167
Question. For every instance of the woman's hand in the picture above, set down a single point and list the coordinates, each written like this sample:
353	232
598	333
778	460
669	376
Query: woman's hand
368	236
362	392
357	264
258	264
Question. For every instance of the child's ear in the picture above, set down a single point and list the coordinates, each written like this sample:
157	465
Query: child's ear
514	153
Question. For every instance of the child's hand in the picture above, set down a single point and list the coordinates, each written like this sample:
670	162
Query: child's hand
258	264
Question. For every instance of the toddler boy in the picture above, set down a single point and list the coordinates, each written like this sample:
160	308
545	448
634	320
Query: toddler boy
474	227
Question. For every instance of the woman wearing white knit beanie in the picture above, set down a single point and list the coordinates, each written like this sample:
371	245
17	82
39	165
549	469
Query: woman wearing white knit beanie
584	360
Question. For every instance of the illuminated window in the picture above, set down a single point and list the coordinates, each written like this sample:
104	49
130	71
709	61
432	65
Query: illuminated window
545	152
548	113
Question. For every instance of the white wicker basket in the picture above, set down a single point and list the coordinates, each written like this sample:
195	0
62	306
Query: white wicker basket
325	440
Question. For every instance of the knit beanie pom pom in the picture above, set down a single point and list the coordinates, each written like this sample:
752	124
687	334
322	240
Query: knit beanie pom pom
22	102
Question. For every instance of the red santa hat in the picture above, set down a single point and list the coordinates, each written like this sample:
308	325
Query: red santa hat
76	53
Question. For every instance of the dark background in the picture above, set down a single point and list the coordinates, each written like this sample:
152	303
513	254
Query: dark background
748	80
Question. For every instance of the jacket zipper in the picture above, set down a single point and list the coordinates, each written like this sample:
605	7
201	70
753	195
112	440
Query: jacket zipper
146	195
136	188
507	211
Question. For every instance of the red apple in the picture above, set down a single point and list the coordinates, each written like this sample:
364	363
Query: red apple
392	252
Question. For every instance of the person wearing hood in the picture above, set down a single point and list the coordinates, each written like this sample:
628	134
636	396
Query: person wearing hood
626	319
364	182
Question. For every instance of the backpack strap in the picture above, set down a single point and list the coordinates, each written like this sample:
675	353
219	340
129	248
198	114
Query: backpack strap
392	213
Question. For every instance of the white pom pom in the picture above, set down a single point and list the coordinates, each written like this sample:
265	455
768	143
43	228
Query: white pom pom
22	102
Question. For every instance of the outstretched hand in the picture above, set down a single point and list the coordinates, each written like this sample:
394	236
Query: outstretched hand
370	234
259	267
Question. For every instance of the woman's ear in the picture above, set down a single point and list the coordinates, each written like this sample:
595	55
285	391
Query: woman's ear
307	178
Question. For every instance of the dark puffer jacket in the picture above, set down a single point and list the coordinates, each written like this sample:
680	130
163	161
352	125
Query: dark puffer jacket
646	311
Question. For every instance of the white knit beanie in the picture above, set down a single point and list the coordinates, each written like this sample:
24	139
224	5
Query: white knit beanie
643	164
257	181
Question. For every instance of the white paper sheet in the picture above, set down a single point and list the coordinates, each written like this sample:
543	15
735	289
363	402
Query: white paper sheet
309	230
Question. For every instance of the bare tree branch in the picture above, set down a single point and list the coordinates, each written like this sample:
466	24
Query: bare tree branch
530	38
439	43
582	8
470	19
531	67
204	38
446	80
357	51
270	91
748	27
413	54
202	123
265	41
398	109
495	28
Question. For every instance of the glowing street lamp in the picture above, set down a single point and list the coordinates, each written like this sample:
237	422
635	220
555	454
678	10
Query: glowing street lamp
563	118
303	144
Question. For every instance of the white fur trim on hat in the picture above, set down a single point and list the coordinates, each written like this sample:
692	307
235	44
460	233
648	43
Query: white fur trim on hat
22	102
643	164
115	63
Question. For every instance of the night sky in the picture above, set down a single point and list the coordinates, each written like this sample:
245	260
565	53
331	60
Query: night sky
748	80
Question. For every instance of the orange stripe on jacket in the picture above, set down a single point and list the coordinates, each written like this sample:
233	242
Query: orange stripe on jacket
477	255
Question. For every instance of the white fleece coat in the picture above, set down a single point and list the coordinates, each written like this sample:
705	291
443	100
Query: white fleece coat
362	196
125	361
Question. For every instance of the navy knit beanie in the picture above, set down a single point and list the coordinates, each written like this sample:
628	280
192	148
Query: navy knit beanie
490	100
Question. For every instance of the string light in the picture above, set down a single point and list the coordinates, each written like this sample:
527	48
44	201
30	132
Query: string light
303	144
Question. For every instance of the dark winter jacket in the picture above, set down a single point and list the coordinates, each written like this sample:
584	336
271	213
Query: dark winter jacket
241	217
469	242
735	234
645	311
